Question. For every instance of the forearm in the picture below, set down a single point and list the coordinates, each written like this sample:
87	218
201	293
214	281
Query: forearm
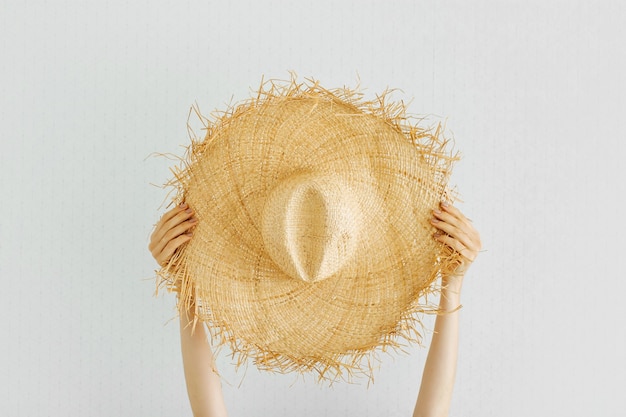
437	384
203	383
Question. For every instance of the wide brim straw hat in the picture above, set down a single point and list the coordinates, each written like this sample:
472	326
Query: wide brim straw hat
313	249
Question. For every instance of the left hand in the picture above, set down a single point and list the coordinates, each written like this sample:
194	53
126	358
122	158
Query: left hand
171	232
457	232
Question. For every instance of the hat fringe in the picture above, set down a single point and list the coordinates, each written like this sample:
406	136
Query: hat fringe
432	147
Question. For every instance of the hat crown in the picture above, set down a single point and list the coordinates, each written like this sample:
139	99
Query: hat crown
310	226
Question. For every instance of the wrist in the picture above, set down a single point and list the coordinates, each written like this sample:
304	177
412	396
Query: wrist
452	284
450	297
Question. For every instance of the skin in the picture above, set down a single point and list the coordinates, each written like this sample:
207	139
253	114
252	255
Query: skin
172	230
435	395
458	233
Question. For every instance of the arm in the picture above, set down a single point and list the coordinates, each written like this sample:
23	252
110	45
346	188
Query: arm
437	384
203	383
435	394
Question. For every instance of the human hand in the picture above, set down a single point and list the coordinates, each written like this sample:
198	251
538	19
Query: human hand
457	232
172	230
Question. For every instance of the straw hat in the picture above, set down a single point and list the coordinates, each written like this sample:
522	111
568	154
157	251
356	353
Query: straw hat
313	246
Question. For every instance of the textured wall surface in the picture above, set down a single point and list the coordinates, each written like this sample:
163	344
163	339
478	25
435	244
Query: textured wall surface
532	91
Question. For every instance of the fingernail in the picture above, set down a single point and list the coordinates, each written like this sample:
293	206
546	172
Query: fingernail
434	221
193	220
183	205
437	211
444	204
437	234
189	211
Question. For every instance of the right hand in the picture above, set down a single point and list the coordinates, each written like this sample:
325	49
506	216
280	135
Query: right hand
459	234
173	230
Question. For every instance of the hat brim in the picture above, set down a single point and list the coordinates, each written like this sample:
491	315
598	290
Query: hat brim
247	300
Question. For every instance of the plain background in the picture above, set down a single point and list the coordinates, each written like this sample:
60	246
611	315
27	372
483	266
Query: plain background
531	91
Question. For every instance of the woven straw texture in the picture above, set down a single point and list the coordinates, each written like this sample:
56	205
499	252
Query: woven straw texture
313	248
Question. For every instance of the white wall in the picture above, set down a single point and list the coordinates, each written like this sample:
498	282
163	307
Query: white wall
533	92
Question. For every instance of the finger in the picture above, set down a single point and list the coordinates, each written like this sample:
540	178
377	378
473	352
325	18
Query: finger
457	246
178	219
455	212
164	226
448	218
455	217
455	232
171	247
158	231
168	215
173	233
179	229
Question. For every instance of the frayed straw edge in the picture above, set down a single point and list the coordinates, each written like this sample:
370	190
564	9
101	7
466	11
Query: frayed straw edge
432	147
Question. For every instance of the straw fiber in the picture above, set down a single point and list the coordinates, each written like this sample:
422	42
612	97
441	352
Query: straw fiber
313	248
